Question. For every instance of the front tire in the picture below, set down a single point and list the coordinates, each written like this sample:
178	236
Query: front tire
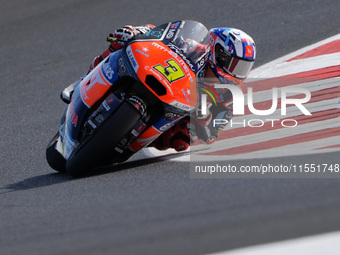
53	157
101	144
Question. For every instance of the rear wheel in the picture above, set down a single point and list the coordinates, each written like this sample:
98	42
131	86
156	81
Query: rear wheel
102	143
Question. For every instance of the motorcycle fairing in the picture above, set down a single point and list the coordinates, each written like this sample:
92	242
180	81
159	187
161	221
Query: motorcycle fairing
164	63
91	89
98	82
163	72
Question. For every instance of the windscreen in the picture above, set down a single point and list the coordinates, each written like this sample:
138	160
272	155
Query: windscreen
191	38
187	38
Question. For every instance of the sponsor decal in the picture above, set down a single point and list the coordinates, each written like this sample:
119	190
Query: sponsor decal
181	106
155	33
170	34
178	58
109	68
143	52
200	63
99	118
132	59
73	115
212	40
121	65
186	94
108	71
106	106
249	52
93	85
139	103
175	25
185	59
172	116
163	124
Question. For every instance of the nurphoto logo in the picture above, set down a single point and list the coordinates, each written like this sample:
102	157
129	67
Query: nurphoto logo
239	105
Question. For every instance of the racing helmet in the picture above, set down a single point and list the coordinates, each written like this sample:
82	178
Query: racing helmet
232	54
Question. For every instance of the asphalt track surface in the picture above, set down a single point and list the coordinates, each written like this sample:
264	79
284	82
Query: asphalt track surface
145	206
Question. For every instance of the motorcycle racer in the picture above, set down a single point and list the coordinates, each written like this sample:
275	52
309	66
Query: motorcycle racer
231	57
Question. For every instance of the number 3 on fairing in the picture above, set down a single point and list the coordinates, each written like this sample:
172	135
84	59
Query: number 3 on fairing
172	72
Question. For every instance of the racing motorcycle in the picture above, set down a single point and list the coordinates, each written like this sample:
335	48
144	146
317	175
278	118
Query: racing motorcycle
129	99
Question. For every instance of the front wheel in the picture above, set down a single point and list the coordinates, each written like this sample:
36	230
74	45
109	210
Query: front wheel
102	143
53	157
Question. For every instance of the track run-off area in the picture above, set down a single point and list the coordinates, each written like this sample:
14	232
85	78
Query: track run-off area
315	68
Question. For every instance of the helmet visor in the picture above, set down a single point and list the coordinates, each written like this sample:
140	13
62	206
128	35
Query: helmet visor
232	65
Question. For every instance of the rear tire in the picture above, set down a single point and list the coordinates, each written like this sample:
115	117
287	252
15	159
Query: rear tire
54	158
102	143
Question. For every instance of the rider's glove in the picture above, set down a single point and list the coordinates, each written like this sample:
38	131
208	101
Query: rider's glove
205	128
202	129
144	29
121	36
117	40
